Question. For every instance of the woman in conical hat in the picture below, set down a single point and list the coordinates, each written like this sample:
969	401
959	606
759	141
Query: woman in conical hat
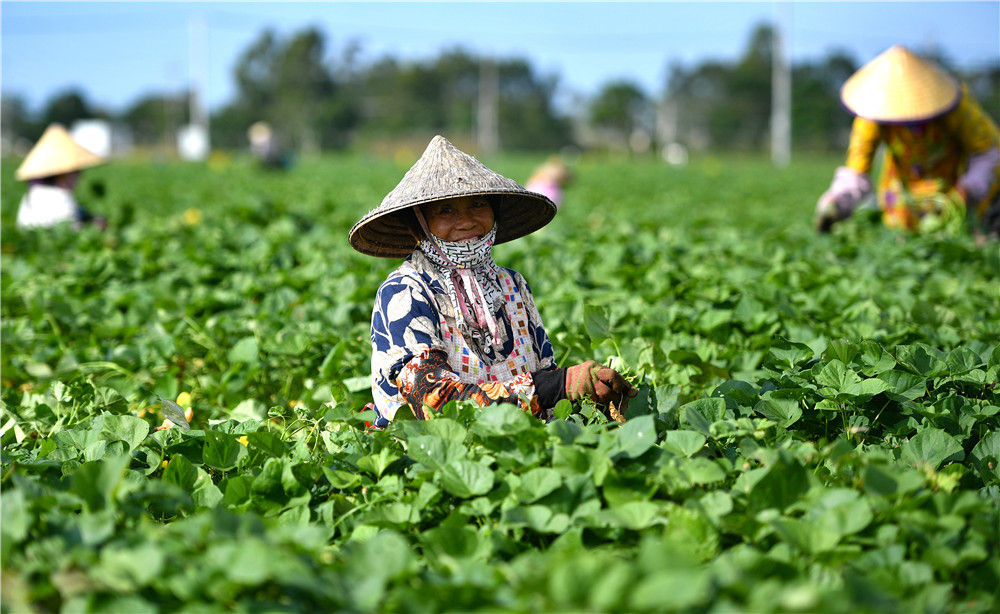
941	150
52	169
449	323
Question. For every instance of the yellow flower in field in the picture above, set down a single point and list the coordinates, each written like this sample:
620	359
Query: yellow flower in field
192	216
184	399
164	464
243	440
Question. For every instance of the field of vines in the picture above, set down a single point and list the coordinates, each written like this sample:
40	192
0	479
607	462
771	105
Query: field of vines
817	429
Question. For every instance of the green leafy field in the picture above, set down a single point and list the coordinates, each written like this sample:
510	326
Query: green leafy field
818	427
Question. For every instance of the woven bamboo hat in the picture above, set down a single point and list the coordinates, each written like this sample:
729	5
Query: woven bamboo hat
54	154
442	172
898	87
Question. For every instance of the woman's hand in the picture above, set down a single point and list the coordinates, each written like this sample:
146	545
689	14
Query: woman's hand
600	384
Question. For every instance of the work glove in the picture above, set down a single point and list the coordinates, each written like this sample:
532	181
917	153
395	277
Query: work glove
848	188
600	384
979	175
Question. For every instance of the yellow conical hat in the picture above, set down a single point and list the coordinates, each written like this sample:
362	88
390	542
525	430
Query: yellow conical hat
898	86
54	154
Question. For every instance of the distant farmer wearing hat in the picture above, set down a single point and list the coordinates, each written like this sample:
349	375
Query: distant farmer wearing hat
449	323
52	169
549	179
941	150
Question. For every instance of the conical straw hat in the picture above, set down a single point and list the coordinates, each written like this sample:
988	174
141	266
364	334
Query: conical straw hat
444	171
54	154
898	87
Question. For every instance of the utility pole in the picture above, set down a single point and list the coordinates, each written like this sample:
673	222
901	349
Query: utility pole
193	141
781	87
488	135
198	70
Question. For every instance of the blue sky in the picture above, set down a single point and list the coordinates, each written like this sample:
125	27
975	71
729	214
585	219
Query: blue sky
117	52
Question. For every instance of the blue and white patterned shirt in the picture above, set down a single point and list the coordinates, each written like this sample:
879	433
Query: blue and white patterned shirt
406	321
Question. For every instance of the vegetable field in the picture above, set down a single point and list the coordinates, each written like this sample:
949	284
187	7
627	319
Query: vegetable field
818	425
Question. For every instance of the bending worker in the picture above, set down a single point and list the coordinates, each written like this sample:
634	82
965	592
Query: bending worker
52	170
941	150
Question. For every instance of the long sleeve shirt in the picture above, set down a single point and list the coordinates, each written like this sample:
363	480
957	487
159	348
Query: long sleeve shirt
421	359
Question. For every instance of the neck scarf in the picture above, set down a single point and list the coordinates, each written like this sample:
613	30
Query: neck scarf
470	279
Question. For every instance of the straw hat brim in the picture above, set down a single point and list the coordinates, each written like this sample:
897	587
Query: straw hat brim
900	87
387	234
55	153
444	172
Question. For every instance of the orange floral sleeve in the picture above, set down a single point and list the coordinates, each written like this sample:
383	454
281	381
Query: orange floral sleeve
865	137
427	383
972	126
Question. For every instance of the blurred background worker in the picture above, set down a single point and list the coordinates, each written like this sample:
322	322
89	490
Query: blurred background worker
52	169
550	179
941	151
266	147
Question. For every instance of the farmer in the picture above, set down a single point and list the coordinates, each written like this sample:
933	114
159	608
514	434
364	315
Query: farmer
266	146
52	169
449	323
549	179
941	150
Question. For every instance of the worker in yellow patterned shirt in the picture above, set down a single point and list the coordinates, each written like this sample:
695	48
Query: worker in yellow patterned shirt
942	161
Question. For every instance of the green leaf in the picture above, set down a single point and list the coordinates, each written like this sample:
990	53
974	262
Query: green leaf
875	358
931	447
341	479
245	351
595	322
781	409
906	385
985	457
267	442
16	517
130	429
221	450
700	414
683	443
180	472
445	428
96	481
635	515
635	437
536	517
128	569
563	409
237	490
672	590
248	409
501	420
781	486
434	452
537	483
702	471
376	464
465	478
174	413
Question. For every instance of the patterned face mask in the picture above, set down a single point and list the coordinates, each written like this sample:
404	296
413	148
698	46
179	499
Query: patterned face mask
471	279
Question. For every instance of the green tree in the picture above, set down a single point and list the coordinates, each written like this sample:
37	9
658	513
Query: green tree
620	106
67	107
414	99
16	122
288	84
155	118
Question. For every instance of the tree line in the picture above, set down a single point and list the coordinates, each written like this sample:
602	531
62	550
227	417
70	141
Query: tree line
317	102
